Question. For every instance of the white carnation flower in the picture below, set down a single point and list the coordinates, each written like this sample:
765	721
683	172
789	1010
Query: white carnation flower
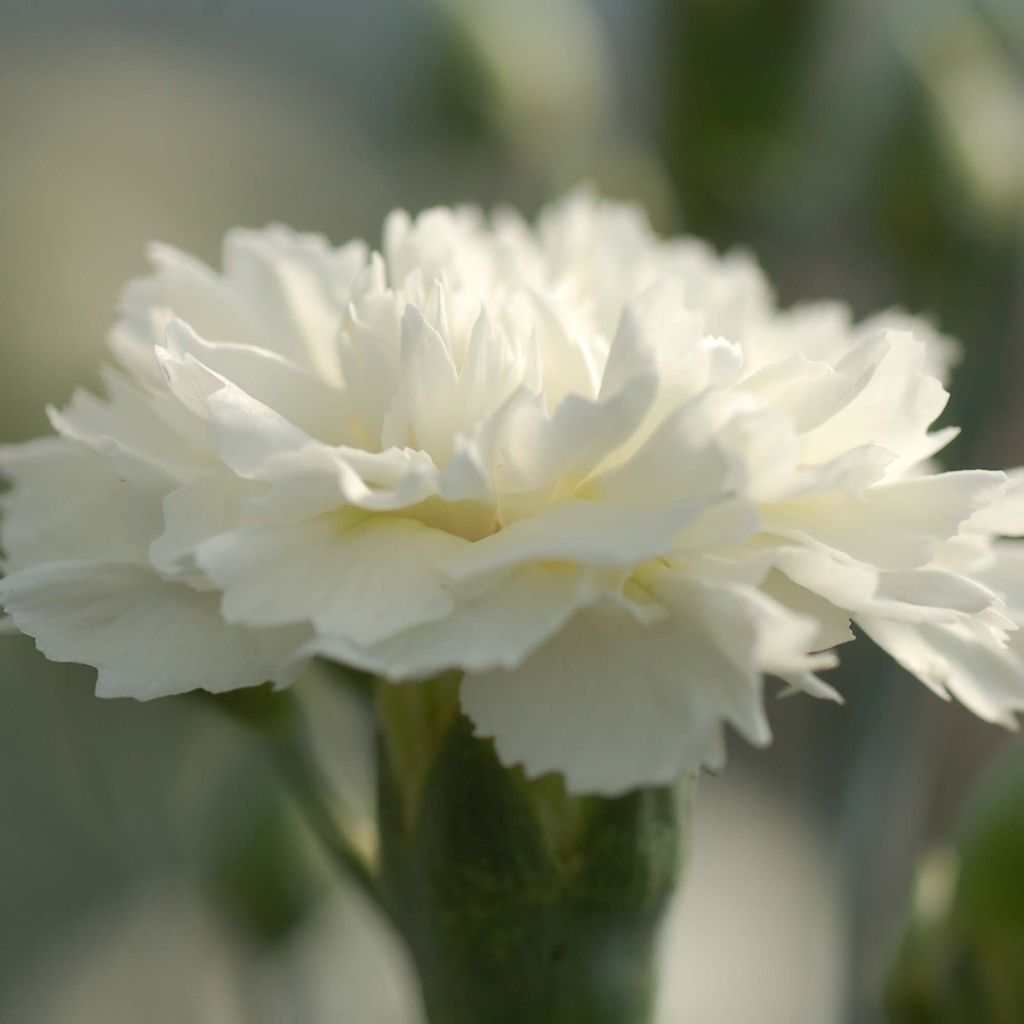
600	474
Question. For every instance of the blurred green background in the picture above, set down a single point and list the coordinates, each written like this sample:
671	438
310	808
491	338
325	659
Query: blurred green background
871	150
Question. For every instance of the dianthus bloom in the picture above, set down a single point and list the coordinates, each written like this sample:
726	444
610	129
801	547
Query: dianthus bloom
599	474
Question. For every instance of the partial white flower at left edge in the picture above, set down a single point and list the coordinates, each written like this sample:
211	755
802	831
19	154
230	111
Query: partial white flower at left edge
600	474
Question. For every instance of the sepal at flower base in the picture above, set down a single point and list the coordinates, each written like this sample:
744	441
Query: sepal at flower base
519	901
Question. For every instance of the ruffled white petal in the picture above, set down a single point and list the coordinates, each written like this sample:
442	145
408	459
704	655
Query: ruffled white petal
149	439
145	636
1005	513
355	576
66	502
894	526
280	291
960	659
893	401
209	505
498	626
613	702
296	393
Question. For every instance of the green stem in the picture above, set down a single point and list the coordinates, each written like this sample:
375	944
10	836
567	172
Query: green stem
278	720
307	787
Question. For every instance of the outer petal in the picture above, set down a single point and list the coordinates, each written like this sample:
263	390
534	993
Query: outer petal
615	703
832	622
498	627
961	659
362	578
280	290
67	502
895	526
1005	574
296	393
146	636
152	440
914	595
202	509
246	432
808	392
892	405
1005	514
294	285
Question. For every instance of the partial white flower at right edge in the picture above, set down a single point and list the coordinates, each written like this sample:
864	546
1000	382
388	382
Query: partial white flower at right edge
601	475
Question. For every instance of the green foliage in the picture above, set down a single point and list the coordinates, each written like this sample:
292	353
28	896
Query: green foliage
962	958
732	81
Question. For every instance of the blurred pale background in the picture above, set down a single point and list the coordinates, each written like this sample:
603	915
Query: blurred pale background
867	150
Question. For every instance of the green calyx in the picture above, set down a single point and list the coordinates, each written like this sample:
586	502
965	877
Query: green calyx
518	900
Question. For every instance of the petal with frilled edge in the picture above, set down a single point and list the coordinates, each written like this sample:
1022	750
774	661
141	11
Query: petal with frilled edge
361	577
1005	514
893	526
209	505
146	636
66	502
1004	573
150	438
318	408
962	659
893	403
615	703
280	290
495	626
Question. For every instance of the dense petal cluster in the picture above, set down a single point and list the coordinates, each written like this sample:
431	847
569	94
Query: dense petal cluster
599	473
